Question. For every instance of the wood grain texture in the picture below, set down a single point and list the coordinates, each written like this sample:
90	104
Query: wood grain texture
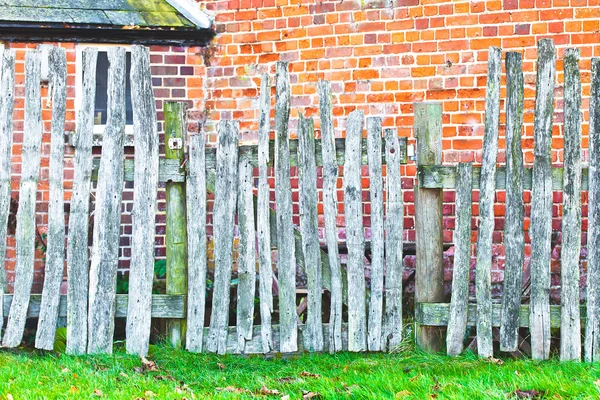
483	274
570	327
513	227
330	177
145	193
394	230
429	278
197	261
223	225
7	92
26	221
592	326
309	224
541	207
457	320
265	260
77	244
55	250
375	321
246	254
107	216
357	316
286	266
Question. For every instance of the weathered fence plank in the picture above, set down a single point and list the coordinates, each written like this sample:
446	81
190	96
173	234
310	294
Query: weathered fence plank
176	234
196	225
7	91
265	261
357	318
247	253
394	230
55	251
592	327
283	199
483	274
77	244
457	320
377	242
223	225
309	223
541	207
105	247
513	227
145	191
570	327
330	177
429	276
26	221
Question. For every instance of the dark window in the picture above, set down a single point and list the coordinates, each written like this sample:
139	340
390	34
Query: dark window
102	87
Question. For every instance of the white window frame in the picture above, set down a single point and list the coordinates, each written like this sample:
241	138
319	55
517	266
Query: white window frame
98	129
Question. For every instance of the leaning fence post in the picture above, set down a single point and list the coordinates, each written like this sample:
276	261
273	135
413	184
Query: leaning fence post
429	280
175	128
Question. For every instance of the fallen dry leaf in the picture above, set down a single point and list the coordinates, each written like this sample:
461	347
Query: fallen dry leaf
493	360
310	395
285	397
232	389
221	366
528	394
149	393
402	394
268	392
73	389
286	379
9	396
65	370
309	374
149	365
98	393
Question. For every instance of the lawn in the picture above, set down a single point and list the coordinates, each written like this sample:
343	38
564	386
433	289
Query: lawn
176	374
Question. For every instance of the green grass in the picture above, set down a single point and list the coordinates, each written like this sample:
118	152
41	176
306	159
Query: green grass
410	374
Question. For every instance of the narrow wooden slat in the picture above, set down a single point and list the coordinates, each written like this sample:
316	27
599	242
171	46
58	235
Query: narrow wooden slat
541	204
7	91
247	253
457	320
570	331
196	225
223	225
592	327
309	223
77	247
513	227
357	318
26	222
55	251
437	314
107	216
330	177
145	192
394	229
483	272
286	267
375	321
265	262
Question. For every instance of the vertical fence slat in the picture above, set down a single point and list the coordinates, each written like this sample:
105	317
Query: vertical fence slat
7	87
330	177
77	247
377	244
285	230
309	224
55	252
513	227
592	327
570	325
265	263
247	253
196	225
107	218
357	320
457	320
26	224
141	273
486	205
394	229
541	207
223	225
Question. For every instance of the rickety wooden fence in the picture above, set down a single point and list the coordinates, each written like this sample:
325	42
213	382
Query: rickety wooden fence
542	180
92	304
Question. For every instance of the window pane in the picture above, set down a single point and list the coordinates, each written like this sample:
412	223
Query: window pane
102	88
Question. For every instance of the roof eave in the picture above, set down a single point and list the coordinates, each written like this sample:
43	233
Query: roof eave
192	12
